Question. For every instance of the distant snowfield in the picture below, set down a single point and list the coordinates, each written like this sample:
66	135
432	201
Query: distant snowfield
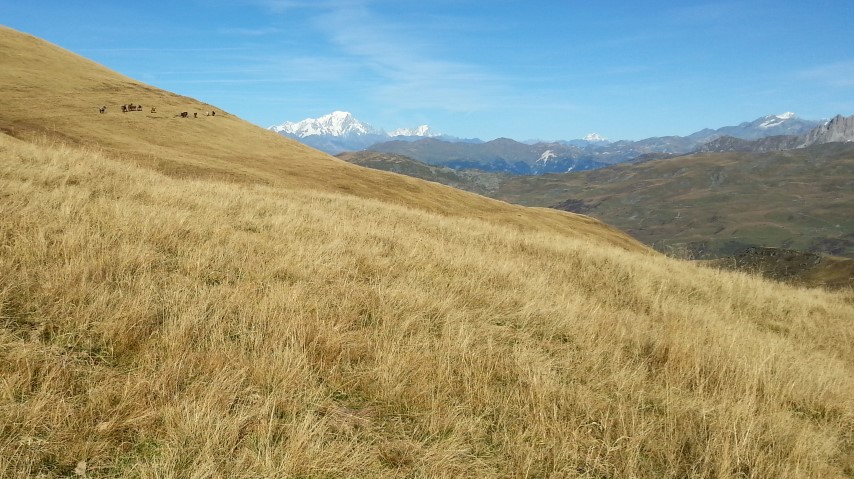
344	124
777	120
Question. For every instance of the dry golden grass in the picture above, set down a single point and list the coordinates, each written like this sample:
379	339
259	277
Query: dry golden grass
160	327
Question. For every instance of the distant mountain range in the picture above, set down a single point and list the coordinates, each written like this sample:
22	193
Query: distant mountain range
505	155
340	132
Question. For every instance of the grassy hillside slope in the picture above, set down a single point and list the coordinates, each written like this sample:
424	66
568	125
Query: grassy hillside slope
161	327
49	91
715	203
166	315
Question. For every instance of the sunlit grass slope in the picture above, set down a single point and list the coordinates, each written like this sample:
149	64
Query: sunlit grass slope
159	327
49	91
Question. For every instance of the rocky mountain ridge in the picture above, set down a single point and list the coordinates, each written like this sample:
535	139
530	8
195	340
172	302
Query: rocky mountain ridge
838	129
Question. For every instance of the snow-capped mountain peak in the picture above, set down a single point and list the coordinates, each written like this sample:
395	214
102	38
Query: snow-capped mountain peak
337	123
422	130
341	131
343	124
594	137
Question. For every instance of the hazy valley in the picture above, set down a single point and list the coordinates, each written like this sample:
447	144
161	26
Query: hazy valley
782	191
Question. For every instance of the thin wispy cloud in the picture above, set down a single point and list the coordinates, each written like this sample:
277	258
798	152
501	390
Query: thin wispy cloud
838	74
229	81
280	6
705	13
162	50
250	32
411	78
314	68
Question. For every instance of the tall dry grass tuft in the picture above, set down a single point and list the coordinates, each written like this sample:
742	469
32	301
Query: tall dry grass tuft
156	327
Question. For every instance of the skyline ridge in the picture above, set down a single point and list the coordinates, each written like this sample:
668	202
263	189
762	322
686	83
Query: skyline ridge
475	68
763	122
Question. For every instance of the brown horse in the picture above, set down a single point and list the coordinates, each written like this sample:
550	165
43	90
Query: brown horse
184	114
103	109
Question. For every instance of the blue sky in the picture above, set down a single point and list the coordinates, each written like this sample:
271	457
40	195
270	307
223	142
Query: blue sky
487	69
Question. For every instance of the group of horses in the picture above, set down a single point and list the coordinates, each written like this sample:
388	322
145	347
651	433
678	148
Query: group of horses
131	107
185	114
127	107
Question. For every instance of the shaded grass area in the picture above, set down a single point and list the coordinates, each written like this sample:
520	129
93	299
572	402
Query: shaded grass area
158	327
795	267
